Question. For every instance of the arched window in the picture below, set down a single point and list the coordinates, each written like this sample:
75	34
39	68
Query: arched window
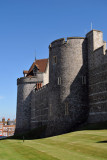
54	59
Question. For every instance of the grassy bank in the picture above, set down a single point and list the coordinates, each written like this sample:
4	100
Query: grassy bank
79	145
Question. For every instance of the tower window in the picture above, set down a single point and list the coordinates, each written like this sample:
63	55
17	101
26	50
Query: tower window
59	80
83	79
50	110
54	59
66	108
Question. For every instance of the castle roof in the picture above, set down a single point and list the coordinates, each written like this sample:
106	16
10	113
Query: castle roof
41	65
25	72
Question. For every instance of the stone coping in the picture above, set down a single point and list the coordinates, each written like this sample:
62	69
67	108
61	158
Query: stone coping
92	31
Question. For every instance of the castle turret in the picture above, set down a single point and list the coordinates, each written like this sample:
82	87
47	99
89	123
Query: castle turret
95	40
35	78
24	87
67	75
95	43
66	60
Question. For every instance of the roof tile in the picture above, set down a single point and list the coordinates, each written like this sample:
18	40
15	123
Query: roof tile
41	65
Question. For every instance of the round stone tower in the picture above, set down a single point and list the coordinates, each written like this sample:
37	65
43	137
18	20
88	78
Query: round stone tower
66	60
23	117
67	75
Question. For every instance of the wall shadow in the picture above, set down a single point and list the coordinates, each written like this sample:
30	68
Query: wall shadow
94	126
102	141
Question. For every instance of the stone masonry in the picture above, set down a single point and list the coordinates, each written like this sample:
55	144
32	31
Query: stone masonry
77	88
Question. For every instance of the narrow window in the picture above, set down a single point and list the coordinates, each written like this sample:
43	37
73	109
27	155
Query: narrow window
83	79
66	108
54	59
59	80
50	111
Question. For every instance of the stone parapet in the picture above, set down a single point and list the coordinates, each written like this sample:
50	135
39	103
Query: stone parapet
23	80
62	41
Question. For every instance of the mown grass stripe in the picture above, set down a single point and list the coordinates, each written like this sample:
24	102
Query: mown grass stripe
81	145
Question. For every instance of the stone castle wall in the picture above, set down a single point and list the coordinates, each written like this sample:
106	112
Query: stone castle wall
77	89
62	106
39	109
97	69
98	94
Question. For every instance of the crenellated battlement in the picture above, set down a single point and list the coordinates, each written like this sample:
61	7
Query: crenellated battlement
62	41
57	42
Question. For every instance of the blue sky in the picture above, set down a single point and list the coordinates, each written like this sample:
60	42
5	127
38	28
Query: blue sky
27	26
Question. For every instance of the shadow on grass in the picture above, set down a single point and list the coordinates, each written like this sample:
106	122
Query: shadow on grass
37	133
93	126
102	141
40	132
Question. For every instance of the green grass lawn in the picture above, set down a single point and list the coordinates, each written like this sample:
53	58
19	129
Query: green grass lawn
79	145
